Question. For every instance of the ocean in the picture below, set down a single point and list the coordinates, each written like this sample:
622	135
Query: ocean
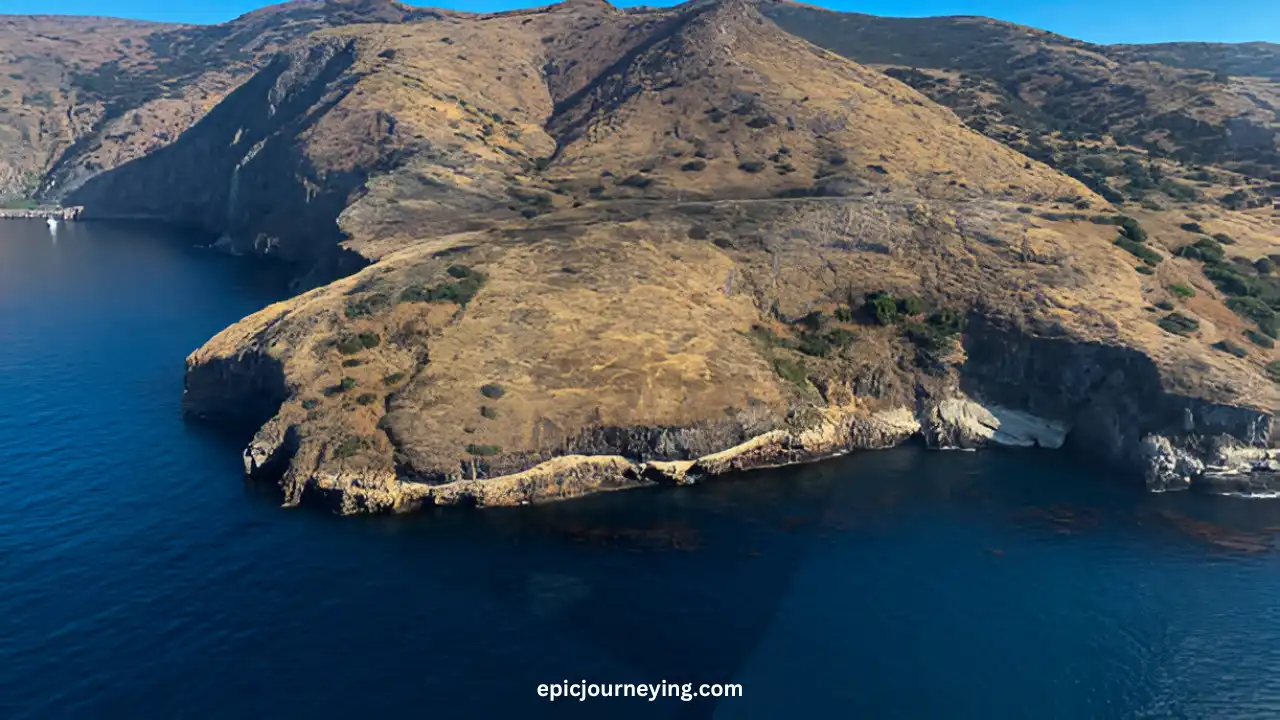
142	576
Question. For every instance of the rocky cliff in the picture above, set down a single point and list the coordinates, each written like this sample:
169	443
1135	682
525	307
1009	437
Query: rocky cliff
243	173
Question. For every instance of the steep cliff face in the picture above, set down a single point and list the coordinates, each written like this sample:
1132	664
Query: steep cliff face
1113	397
242	173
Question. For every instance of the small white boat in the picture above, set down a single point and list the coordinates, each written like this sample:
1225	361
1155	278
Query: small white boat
53	224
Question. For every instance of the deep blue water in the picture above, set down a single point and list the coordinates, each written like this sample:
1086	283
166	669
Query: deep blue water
140	576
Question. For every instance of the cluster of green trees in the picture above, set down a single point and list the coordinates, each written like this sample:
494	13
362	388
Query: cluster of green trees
464	286
933	332
1253	292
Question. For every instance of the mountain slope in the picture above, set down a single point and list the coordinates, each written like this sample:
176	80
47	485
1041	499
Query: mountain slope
768	113
1020	84
81	95
1254	59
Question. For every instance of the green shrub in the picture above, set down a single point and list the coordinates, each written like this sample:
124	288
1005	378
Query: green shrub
1025	210
791	370
490	413
1164	305
751	166
460	272
393	378
1259	339
813	321
493	391
822	344
483	450
40	98
350	344
347	383
1204	250
928	337
1257	311
815	345
768	338
883	307
460	292
1264	266
1192	227
1224	238
1182	291
369	340
367	399
840	337
1231	348
911	306
352	362
1229	280
1142	252
694	166
350	446
310	404
367	305
1145	270
1179	191
1063	216
947	321
1179	324
1130	228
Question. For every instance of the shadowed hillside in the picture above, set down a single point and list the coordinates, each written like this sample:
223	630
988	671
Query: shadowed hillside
81	95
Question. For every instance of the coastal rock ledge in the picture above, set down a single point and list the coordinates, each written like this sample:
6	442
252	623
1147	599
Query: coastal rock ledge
1172	442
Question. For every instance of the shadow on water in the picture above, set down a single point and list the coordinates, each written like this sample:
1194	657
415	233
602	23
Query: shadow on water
646	576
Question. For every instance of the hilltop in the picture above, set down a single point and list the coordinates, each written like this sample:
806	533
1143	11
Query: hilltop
575	248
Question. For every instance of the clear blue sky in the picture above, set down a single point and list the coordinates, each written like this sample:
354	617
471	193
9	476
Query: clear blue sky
1103	21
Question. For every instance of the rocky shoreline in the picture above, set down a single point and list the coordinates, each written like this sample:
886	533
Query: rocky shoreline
1217	448
60	213
1229	467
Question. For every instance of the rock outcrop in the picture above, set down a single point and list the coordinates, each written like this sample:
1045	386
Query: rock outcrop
963	423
